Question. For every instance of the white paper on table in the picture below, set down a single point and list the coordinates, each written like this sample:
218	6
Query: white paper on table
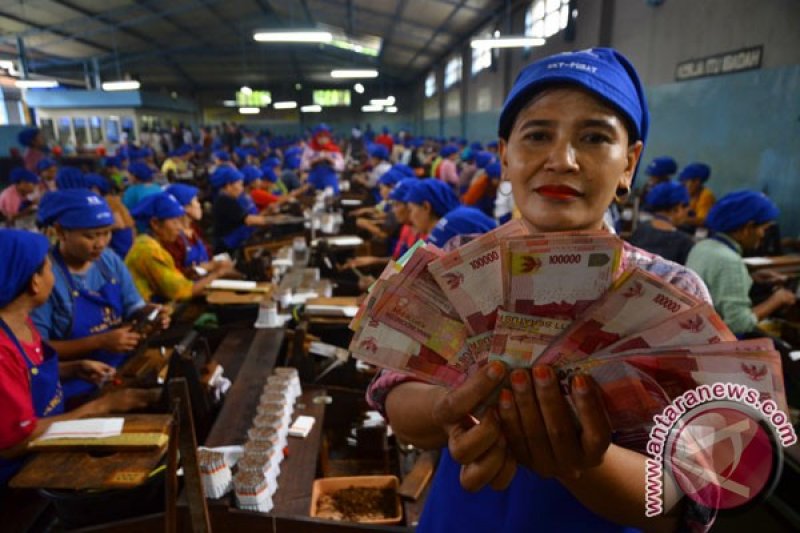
300	298
233	285
343	240
757	261
332	310
87	428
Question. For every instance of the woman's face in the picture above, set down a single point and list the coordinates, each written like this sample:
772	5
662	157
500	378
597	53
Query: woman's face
421	217
84	244
167	230
693	186
565	158
43	282
400	210
194	209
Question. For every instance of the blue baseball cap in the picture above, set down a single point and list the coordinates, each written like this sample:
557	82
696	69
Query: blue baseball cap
692	171
604	72
738	208
74	209
666	196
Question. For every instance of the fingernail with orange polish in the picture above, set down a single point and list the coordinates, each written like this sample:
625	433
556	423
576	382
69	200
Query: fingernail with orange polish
579	383
542	374
506	399
518	380
496	370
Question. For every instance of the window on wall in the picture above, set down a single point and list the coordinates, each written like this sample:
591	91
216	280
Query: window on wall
481	59
452	72
545	18
430	85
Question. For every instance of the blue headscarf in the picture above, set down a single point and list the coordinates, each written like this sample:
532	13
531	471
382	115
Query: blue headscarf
26	136
74	209
491	144
182	193
99	182
483	158
222	155
271	162
224	175
437	193
604	72
448	150
19	174
494	170
44	164
666	196
462	220
71	178
251	174
160	206
662	166
378	151
692	171
736	209
23	254
404	169
400	191
141	172
390	178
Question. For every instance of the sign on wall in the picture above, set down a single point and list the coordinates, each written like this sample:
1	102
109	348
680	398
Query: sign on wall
716	65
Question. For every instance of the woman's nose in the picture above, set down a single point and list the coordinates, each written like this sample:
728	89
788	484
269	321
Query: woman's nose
562	156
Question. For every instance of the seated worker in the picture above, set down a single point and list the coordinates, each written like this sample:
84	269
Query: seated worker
669	204
379	162
269	169
448	168
701	199
434	210
154	271
94	293
14	200
47	170
177	162
252	181
189	250
142	186
483	189
738	222
31	395
407	237
378	220
289	177
660	170
233	225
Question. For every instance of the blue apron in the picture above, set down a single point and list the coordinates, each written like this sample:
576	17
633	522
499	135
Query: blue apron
93	312
46	393
237	237
195	253
121	241
530	504
247	203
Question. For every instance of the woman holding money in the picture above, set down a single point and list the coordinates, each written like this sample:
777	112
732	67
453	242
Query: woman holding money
571	134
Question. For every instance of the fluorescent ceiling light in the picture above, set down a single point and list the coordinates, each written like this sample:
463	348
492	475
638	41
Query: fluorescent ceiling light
371	108
358	88
229	103
249	110
304	36
389	100
391	109
246	90
367	73
507	42
36	84
122	85
284	105
311	109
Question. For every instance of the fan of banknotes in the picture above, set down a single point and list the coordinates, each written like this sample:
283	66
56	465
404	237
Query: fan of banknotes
564	299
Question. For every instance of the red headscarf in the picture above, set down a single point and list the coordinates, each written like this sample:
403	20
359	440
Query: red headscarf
315	145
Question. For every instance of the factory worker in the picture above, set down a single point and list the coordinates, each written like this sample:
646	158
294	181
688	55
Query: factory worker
233	225
15	200
141	186
669	204
694	177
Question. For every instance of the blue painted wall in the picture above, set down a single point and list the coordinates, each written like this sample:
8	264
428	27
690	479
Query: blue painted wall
745	126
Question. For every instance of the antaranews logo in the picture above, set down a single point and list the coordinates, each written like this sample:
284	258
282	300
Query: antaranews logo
720	444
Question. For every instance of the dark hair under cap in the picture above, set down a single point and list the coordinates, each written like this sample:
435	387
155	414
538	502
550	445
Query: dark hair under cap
603	72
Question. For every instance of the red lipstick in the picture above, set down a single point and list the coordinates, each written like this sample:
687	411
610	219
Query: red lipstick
558	192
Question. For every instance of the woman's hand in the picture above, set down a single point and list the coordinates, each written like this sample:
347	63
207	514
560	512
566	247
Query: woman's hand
480	448
95	371
122	339
540	425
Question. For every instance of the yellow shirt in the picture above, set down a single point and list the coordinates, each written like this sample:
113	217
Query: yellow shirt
177	166
701	204
154	272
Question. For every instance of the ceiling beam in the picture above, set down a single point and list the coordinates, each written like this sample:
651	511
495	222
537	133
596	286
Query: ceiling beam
436	33
387	38
68	36
267	8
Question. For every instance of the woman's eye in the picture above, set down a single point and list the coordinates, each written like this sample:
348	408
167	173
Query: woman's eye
596	138
536	135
